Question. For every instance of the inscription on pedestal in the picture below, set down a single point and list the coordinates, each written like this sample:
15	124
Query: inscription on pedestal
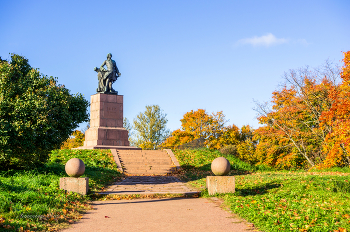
111	108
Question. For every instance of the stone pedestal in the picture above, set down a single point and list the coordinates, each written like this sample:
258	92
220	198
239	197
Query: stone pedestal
220	184
106	123
78	185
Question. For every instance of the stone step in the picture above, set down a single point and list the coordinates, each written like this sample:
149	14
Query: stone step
147	169
147	162
144	158
143	168
147	154
138	152
147	173
154	152
145	165
148	166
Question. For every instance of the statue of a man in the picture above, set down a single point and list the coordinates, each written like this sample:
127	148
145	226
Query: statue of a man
107	76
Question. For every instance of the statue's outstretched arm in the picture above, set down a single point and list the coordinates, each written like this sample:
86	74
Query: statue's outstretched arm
103	64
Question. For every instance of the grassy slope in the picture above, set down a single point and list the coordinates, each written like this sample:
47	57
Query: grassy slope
277	200
32	200
272	200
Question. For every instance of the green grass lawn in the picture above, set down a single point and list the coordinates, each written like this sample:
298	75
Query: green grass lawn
32	201
272	200
277	200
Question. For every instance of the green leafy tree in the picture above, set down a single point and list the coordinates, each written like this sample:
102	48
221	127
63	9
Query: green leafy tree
36	113
150	127
128	127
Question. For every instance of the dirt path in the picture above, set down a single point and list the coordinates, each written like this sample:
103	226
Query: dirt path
169	214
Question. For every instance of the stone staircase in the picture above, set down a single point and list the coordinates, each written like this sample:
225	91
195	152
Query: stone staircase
146	162
146	175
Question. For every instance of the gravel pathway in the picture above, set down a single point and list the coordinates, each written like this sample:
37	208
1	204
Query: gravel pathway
158	214
153	215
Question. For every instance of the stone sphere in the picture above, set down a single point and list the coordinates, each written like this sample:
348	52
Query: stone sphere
75	167
220	166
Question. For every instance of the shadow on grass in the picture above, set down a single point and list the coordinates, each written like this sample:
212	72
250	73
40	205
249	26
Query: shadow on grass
260	190
99	176
193	173
14	188
54	168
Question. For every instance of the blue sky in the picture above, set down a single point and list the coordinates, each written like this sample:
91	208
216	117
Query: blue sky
181	55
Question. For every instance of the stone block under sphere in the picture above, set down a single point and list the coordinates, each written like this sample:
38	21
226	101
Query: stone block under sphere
78	185
220	184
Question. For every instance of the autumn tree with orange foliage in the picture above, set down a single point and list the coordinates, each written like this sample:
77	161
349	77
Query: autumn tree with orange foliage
307	124
75	140
247	144
275	149
195	125
293	135
337	144
209	127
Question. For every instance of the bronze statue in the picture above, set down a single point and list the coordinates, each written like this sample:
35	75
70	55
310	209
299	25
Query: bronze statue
106	77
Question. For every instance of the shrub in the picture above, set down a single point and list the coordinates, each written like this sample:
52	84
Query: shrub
229	150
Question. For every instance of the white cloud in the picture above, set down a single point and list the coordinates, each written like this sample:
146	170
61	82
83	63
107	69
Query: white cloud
265	40
303	42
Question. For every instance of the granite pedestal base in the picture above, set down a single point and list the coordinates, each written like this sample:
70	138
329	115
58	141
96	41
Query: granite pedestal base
106	121
72	184
220	184
106	136
106	124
